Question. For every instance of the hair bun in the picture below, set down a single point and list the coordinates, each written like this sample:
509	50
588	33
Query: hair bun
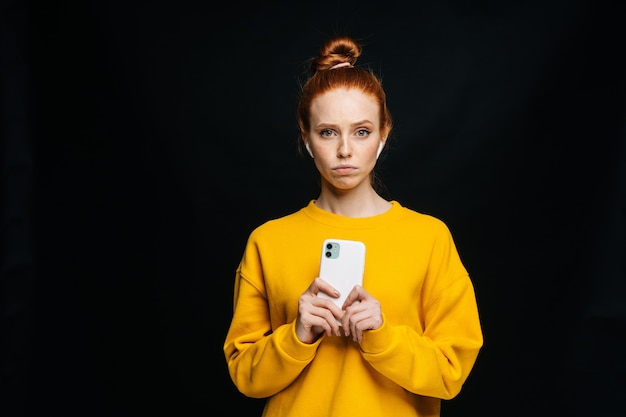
337	52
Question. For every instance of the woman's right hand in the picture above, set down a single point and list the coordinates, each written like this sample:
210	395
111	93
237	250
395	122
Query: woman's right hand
317	315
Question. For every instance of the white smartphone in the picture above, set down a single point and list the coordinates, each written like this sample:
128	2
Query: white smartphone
342	264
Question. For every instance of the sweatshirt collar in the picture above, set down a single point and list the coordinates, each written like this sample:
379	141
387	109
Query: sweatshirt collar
336	220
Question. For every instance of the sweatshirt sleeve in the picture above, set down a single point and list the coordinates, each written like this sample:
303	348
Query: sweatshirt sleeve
261	362
437	360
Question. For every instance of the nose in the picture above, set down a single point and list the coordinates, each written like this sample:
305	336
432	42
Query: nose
344	149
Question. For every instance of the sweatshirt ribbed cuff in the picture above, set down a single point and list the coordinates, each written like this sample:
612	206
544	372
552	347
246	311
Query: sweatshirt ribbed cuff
295	348
377	341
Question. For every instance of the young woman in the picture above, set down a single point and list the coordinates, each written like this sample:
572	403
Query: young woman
401	342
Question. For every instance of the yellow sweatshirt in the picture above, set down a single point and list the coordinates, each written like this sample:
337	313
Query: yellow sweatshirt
422	353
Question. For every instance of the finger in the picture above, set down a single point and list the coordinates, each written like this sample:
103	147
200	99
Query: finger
314	323
354	330
319	285
334	317
345	324
321	307
348	316
349	312
356	294
332	320
327	317
359	322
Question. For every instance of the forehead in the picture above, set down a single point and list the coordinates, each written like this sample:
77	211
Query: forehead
344	104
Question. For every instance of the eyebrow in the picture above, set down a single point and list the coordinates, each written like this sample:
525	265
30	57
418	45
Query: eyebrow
359	123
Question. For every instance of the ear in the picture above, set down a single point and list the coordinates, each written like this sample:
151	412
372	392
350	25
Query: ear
308	148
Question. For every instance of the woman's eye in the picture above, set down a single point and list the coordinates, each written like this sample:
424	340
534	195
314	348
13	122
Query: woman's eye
326	133
362	132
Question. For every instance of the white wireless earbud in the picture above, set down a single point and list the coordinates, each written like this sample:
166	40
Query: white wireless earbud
308	148
380	149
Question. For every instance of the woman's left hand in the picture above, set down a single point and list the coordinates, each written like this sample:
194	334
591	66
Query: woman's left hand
361	312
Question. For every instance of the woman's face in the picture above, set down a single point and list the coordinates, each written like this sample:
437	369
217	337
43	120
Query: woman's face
344	137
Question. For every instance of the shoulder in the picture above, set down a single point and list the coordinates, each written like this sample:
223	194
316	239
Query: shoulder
279	225
411	217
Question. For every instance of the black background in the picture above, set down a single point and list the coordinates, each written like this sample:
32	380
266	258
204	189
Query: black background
143	141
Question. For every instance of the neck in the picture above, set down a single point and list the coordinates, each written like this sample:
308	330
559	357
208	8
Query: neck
352	204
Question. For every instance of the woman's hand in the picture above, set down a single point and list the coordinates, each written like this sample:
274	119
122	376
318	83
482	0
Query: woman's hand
317	315
361	312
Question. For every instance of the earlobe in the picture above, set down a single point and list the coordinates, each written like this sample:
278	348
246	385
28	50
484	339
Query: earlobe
308	148
380	149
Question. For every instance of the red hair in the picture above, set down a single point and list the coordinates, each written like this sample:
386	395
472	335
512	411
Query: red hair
334	68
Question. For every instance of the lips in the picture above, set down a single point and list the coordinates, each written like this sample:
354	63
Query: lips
344	169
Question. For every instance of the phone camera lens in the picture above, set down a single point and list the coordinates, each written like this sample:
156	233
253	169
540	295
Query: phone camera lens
329	246
328	254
